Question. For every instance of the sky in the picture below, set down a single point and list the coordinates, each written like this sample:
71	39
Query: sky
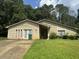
33	3
73	4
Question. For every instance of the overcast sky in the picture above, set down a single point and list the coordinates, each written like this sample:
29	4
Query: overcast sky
73	4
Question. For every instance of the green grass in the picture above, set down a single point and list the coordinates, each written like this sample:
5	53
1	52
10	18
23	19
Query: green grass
54	49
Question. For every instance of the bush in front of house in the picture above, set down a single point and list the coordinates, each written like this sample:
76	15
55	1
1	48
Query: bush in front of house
77	37
70	37
65	37
74	37
52	36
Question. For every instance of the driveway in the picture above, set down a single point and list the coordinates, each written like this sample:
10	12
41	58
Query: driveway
14	49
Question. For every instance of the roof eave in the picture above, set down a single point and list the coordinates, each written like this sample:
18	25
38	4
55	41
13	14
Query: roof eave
21	22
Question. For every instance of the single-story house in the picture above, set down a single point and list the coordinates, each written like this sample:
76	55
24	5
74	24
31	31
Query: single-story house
28	29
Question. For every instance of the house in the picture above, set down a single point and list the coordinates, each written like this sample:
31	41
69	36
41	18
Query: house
28	29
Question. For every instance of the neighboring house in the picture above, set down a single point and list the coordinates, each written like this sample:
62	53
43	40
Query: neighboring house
28	29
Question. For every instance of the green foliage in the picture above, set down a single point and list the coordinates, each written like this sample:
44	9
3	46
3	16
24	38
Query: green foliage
65	37
52	36
62	9
71	37
64	16
11	11
77	21
39	13
68	20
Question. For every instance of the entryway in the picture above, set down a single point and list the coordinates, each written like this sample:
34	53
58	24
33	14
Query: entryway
43	32
28	34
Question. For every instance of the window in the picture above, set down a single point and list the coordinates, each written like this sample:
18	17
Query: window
61	32
19	33
30	32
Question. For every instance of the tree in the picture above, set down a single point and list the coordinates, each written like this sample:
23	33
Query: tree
11	11
77	16
18	11
64	16
68	20
61	9
44	12
39	13
77	21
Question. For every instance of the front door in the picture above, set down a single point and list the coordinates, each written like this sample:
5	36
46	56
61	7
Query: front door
28	34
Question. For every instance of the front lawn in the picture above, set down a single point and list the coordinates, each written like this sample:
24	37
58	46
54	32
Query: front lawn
54	49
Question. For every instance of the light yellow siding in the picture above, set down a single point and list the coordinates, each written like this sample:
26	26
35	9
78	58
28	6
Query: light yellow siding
54	28
24	25
35	29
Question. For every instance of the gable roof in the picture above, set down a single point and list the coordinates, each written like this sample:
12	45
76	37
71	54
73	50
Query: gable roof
43	20
59	24
22	22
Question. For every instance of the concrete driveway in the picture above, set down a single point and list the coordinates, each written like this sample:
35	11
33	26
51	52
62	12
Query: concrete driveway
14	49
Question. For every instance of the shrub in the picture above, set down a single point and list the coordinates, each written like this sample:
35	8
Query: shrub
77	37
73	37
65	37
52	36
